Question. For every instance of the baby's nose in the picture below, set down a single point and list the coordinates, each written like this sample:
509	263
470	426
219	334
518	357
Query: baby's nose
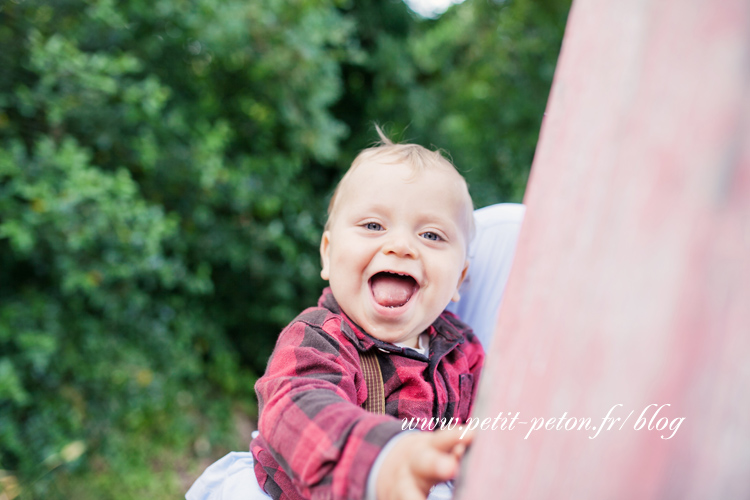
401	246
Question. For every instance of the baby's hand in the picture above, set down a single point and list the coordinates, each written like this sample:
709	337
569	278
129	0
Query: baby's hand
420	460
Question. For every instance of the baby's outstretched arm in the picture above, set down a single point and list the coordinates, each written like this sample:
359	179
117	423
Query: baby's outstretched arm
418	461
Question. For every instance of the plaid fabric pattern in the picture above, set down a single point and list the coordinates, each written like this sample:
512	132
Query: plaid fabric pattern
316	441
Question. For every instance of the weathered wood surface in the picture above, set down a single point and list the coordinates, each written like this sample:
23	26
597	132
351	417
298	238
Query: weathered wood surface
631	283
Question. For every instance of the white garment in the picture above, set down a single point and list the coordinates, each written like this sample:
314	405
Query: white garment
490	257
232	477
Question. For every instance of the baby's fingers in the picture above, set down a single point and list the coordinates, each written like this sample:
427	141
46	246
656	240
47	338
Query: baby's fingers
447	440
435	465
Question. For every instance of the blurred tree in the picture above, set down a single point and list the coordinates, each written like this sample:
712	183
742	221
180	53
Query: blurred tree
474	82
164	171
490	67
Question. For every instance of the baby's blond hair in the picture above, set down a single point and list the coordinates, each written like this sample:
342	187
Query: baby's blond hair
417	157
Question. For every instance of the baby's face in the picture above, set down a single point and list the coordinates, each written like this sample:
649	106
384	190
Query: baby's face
395	250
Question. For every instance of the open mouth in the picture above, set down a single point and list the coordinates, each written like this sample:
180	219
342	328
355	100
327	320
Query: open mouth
392	289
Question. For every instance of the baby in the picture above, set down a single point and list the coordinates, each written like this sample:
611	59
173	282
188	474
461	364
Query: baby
394	252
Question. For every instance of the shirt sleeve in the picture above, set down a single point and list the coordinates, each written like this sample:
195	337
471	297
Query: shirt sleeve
310	415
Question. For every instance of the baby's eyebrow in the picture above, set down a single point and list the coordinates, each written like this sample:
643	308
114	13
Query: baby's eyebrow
438	220
377	207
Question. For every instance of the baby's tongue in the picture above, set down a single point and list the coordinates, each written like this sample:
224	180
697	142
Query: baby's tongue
392	290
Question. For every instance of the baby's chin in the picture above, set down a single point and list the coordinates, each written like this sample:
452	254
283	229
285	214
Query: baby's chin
410	338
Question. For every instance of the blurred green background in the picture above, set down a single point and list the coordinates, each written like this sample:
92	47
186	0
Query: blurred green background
164	171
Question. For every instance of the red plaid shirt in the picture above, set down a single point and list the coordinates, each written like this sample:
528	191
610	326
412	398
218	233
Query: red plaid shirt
316	441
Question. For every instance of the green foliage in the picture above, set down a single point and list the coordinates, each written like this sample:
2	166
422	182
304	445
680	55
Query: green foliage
164	171
474	83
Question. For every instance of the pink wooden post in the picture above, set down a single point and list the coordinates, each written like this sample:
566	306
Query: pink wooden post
631	284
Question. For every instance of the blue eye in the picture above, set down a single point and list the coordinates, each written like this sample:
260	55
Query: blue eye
373	226
431	236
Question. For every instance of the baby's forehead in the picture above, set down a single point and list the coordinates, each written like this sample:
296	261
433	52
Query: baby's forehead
369	182
395	171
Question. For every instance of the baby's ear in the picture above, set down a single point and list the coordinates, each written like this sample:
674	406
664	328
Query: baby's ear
457	296
325	245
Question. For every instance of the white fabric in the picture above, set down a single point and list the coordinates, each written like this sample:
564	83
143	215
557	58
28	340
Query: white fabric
490	257
232	477
423	347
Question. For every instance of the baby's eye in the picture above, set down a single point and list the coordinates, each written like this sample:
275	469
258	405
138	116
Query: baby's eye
431	236
373	226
